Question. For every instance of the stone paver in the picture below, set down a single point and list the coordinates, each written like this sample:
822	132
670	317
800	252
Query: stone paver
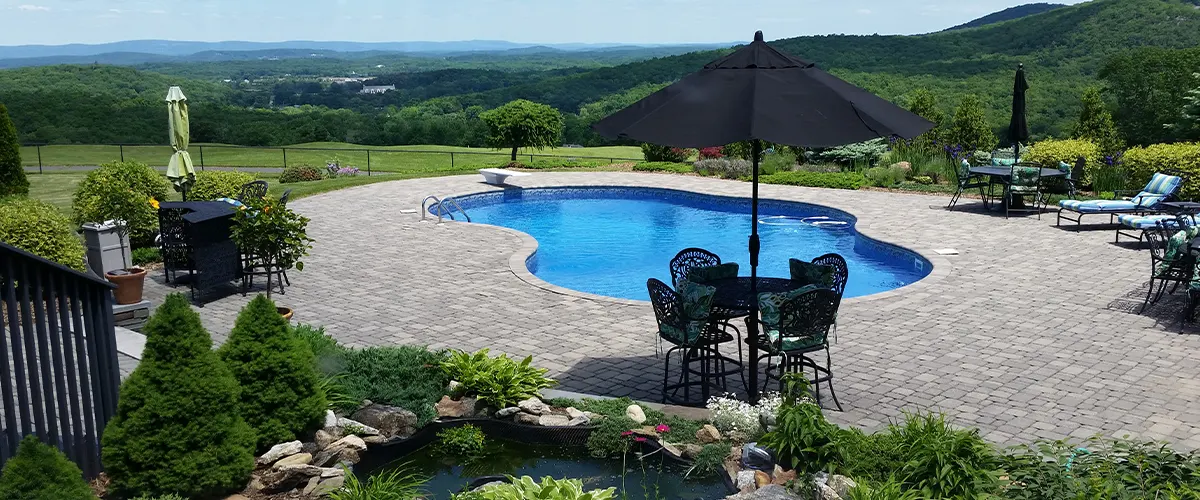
1029	332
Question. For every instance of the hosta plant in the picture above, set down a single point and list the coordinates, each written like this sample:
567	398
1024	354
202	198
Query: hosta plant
498	382
525	488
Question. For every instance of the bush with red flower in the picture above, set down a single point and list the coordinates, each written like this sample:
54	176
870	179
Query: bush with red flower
712	153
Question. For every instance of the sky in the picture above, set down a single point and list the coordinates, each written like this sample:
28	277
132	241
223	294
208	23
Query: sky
57	22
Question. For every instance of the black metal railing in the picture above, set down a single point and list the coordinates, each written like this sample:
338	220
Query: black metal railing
58	357
227	156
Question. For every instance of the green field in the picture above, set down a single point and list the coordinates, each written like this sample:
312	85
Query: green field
400	159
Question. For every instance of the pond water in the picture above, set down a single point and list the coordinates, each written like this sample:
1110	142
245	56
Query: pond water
651	478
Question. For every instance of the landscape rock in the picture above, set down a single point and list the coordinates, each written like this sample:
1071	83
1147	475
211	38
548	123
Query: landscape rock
236	497
390	421
297	459
841	485
351	426
691	451
769	492
672	449
708	434
312	485
534	406
594	417
349	455
553	421
376	440
310	448
761	479
323	439
449	408
580	420
255	485
279	451
636	414
331	419
824	492
329	485
333	471
508	412
781	476
328	456
288	478
453	386
527	419
646	431
745	479
573	412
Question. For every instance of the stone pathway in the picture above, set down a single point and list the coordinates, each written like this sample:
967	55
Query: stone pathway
1030	332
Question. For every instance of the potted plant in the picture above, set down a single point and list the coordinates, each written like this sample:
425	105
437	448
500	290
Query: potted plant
274	236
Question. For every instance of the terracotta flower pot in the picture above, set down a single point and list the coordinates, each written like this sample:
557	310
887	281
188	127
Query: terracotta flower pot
129	284
286	312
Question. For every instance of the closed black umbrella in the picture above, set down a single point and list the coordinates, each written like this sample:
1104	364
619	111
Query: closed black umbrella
1018	126
760	94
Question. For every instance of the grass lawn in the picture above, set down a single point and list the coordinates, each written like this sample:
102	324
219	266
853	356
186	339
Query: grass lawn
402	159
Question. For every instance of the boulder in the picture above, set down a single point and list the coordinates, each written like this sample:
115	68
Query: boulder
745	479
691	451
768	492
351	426
310	448
781	476
279	451
573	412
288	478
349	456
376	440
324	439
824	492
312	485
333	471
636	414
236	497
297	459
527	419
672	449
508	412
594	417
331	419
329	485
255	485
761	479
841	485
390	421
708	434
646	431
553	421
449	408
580	420
534	406
352	442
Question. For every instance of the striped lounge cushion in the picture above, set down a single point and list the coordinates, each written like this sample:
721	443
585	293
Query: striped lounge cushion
1090	206
1146	221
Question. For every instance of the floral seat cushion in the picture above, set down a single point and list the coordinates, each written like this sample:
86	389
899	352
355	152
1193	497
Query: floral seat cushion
695	304
708	274
807	273
1025	179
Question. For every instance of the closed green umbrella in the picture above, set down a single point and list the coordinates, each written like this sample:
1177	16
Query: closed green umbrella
180	171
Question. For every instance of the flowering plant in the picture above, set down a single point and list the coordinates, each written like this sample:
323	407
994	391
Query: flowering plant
739	418
268	229
712	153
346	172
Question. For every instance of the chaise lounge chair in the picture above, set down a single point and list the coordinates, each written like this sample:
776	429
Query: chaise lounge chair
1161	188
1135	226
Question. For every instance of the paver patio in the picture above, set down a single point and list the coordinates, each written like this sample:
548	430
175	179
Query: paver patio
1026	333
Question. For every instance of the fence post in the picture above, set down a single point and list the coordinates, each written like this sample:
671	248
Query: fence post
452	160
39	148
201	157
122	147
284	157
368	163
531	159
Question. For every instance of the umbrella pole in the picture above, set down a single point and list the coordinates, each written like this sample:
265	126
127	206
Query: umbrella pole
752	331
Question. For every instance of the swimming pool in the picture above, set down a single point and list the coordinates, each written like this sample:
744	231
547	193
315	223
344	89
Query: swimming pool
609	240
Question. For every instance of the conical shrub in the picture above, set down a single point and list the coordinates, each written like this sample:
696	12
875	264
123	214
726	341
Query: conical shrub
280	398
40	472
177	429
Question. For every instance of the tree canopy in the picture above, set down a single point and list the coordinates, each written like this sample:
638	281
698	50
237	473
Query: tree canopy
523	124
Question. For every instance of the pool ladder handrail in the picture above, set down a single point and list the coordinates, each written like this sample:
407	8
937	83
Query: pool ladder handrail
442	209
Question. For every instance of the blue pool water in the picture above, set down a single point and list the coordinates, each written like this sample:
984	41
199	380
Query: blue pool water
609	240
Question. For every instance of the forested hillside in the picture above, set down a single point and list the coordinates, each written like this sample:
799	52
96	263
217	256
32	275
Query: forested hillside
1008	15
1064	51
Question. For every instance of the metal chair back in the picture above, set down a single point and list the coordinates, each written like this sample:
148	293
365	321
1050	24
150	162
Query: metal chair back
688	259
841	272
254	189
666	305
807	318
173	245
284	199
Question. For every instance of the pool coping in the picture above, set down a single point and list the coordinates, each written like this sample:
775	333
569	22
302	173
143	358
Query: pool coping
942	266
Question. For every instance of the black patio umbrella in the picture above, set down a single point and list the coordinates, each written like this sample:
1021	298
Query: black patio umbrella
1018	126
760	94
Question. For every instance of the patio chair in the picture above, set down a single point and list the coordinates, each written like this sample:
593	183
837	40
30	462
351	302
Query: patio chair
1135	226
253	189
1025	180
966	180
683	322
841	272
284	199
1162	187
795	325
688	259
1170	262
173	246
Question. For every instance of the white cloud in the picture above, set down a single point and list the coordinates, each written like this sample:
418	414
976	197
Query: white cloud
865	12
33	8
115	11
157	12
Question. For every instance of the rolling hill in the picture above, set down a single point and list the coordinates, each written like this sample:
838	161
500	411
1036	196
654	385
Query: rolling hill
1008	15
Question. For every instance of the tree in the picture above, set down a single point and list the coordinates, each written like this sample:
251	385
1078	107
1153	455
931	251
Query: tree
12	174
924	103
969	127
40	472
523	124
1150	85
177	429
1187	127
1096	124
279	398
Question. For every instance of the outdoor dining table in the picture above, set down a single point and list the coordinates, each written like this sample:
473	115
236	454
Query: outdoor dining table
1001	174
733	297
216	258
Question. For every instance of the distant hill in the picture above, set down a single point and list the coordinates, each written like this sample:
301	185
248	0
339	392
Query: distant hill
1008	15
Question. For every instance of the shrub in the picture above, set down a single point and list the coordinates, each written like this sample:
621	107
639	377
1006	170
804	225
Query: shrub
886	176
525	488
663	166
1098	467
40	472
317	340
122	190
404	376
782	160
1050	152
725	168
300	173
177	428
465	441
803	440
857	154
711	153
12	173
969	127
943	462
146	255
277	373
710	460
213	184
39	228
1096	124
890	489
923	179
393	485
272	231
1143	162
654	152
843	180
498	382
